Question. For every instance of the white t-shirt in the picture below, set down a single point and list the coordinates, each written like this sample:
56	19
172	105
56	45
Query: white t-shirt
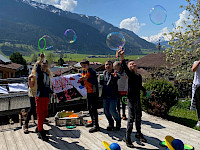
123	82
196	80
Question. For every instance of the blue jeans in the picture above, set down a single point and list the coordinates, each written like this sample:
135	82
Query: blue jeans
110	110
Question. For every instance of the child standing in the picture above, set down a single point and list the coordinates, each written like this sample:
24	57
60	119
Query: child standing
110	96
122	87
89	80
134	104
42	97
32	82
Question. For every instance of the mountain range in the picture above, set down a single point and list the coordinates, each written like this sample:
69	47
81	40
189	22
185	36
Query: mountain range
25	21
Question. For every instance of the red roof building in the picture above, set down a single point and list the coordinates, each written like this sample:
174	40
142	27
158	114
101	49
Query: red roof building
8	68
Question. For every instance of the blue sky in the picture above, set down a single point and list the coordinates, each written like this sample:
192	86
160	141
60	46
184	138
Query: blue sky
115	11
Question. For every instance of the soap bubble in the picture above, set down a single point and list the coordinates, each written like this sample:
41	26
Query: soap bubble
158	15
70	36
115	40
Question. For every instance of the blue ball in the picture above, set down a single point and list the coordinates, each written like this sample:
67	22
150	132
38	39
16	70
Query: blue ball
114	146
177	144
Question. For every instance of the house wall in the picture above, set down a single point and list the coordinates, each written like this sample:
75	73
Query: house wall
6	73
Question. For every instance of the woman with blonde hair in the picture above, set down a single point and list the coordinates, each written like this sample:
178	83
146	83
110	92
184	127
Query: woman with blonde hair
32	83
43	76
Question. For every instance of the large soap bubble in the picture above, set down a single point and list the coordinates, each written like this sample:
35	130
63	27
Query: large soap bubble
115	40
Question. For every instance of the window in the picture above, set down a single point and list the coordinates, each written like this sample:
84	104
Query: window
1	74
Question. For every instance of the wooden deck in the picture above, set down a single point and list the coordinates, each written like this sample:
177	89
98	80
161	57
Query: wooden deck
155	129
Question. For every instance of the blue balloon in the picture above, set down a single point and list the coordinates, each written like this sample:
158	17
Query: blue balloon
114	146
178	144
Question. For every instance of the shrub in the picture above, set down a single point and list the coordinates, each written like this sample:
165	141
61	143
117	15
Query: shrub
163	96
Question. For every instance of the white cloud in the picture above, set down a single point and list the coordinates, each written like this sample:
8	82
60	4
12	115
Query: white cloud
66	5
131	24
159	36
184	16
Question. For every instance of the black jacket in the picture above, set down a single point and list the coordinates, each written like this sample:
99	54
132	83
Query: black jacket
134	82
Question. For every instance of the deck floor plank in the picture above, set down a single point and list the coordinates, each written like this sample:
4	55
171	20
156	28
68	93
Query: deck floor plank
3	145
9	138
154	129
21	144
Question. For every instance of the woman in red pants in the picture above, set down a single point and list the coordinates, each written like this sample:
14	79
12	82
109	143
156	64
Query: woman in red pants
43	75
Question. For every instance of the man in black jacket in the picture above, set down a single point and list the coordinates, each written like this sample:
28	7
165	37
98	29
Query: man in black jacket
134	104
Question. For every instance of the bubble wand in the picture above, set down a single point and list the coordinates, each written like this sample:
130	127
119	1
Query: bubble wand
45	43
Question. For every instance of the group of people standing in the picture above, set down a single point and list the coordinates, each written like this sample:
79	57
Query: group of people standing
118	80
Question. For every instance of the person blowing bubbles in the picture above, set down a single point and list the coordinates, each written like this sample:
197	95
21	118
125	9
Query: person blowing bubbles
43	76
134	104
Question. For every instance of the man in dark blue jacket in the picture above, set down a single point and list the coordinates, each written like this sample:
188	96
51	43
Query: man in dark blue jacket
110	96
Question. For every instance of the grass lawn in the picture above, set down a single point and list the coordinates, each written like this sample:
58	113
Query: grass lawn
79	57
181	114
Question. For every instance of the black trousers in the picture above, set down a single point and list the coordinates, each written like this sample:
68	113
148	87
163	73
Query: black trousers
197	100
123	106
92	99
198	109
134	113
31	111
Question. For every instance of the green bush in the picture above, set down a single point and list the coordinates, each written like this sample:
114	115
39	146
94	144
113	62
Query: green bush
163	96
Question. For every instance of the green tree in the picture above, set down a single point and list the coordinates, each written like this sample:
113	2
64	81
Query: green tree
17	58
184	41
61	62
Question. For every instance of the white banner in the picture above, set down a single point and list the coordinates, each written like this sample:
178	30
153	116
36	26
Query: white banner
3	90
18	87
63	83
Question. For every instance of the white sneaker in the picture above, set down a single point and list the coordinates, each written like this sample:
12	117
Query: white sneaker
198	124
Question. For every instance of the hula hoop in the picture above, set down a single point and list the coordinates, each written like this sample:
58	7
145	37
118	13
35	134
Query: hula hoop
186	147
41	49
71	127
124	97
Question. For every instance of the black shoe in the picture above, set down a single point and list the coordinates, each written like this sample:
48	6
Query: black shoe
36	130
94	129
140	136
128	142
25	128
89	125
45	131
42	135
110	128
118	126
